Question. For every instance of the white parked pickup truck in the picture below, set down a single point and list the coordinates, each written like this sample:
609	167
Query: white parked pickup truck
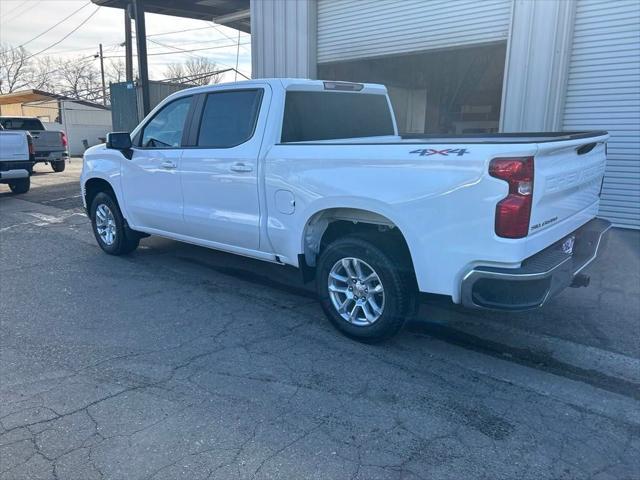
50	146
16	155
314	174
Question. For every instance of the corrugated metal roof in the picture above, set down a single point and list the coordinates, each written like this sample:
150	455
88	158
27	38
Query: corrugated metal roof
198	9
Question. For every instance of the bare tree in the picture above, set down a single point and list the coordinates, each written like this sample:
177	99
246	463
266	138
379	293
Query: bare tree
80	79
76	78
195	71
43	74
14	69
115	71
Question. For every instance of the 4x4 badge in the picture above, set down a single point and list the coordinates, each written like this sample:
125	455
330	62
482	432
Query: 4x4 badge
425	152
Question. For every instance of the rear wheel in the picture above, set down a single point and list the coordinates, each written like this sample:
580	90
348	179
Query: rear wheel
364	291
58	166
109	226
21	185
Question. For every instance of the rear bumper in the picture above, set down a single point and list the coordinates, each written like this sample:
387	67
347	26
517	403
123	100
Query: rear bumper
7	175
539	278
51	156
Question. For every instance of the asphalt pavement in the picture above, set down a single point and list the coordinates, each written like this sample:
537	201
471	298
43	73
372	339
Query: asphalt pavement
179	362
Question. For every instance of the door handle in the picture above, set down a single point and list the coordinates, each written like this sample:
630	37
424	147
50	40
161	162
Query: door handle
241	167
168	165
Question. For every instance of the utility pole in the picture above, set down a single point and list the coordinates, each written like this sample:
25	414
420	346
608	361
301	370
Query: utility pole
104	89
237	57
128	47
141	43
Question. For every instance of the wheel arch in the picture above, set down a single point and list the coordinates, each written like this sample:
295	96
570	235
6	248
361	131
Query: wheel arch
330	223
96	184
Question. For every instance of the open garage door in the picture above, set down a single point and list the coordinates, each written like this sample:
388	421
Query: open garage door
453	91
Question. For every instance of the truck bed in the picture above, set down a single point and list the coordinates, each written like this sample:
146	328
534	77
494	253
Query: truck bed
519	137
465	139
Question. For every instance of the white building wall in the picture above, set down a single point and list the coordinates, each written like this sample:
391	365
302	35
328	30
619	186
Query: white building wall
82	122
555	78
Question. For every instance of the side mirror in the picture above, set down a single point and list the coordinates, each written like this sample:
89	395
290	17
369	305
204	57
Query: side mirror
119	141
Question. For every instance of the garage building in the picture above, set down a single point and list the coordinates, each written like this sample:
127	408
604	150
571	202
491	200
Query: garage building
468	66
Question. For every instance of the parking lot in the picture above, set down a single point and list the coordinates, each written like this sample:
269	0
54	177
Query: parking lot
178	362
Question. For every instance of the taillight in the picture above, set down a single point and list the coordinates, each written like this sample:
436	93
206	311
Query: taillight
513	213
63	137
32	148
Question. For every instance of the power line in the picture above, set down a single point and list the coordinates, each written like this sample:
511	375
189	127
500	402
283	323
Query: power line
189	43
177	31
113	46
197	76
20	5
178	50
5	20
219	30
54	26
84	60
66	36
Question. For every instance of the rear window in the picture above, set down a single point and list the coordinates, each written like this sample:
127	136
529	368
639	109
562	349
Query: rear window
21	124
333	115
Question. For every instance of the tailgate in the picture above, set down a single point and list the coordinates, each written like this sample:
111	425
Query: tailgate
45	140
567	179
13	146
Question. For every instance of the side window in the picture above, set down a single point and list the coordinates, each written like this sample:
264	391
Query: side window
164	130
229	118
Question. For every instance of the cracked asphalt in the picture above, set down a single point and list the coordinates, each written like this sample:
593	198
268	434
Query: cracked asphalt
178	362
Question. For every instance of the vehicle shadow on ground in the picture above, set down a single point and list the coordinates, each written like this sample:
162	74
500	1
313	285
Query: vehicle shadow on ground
437	318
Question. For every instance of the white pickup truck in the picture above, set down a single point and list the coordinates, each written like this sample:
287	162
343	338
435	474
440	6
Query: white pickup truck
50	146
16	156
314	174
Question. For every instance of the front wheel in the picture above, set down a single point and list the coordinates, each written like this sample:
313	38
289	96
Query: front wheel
109	226
21	185
365	292
58	166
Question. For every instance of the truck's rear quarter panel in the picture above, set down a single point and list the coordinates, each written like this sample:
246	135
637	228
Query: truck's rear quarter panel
444	203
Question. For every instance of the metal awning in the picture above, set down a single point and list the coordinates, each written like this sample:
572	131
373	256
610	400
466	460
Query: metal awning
231	13
25	96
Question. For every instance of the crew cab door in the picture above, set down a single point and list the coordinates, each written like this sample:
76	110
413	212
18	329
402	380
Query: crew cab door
220	167
151	178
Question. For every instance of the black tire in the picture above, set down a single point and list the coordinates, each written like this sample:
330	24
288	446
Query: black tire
58	166
400	292
126	240
30	169
20	185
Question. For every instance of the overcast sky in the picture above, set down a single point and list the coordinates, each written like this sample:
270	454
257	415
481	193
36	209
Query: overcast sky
22	20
